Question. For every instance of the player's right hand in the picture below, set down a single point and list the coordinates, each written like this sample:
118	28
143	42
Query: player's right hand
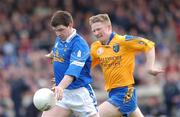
50	56
155	72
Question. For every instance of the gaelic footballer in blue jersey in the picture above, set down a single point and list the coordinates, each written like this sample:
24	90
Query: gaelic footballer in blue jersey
71	66
72	57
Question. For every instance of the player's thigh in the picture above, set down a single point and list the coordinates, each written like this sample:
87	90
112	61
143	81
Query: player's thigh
57	112
136	113
106	109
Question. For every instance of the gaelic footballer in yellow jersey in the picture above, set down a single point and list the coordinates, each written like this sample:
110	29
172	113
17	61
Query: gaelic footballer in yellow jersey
117	58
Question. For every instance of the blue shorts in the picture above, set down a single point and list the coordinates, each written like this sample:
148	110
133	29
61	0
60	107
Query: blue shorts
124	98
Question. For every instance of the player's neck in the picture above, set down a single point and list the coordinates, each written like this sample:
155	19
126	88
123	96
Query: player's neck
105	41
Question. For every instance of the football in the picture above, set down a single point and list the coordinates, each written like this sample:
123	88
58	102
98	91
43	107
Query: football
44	99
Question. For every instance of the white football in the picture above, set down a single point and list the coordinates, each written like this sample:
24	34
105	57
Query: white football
44	99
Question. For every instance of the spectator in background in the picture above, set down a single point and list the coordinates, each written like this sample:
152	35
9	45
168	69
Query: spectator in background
18	88
171	89
2	113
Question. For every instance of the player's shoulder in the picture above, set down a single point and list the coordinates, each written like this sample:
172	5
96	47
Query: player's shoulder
118	37
131	37
78	39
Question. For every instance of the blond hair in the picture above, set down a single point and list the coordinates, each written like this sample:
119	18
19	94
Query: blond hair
104	18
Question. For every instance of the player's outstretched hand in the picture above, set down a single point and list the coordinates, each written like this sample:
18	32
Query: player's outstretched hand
50	56
155	72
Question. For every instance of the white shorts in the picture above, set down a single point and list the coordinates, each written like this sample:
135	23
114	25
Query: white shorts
81	101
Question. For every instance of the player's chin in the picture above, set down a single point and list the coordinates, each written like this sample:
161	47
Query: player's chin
102	40
63	38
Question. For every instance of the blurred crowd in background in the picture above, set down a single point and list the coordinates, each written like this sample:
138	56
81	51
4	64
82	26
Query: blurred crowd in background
26	36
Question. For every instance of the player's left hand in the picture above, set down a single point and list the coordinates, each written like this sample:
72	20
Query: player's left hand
58	92
155	72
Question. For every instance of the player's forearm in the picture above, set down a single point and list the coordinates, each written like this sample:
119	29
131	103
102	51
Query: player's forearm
150	59
66	81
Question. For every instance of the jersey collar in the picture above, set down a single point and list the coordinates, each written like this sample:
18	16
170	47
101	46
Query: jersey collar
71	36
110	38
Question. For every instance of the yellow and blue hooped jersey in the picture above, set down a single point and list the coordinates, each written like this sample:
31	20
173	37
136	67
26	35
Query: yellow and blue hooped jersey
72	58
117	58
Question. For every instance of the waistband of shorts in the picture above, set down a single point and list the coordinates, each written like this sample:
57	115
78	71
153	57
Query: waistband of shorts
124	87
88	87
129	86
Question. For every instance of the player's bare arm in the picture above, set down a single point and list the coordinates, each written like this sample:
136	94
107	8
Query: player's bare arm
150	60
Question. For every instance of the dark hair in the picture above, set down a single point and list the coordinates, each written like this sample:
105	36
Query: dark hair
61	18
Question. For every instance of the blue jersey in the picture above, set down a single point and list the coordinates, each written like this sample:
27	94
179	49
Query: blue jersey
72	57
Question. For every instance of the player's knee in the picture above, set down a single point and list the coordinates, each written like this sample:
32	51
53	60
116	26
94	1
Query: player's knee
95	115
136	113
43	115
47	114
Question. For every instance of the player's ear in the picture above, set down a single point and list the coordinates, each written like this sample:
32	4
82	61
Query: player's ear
71	24
109	27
